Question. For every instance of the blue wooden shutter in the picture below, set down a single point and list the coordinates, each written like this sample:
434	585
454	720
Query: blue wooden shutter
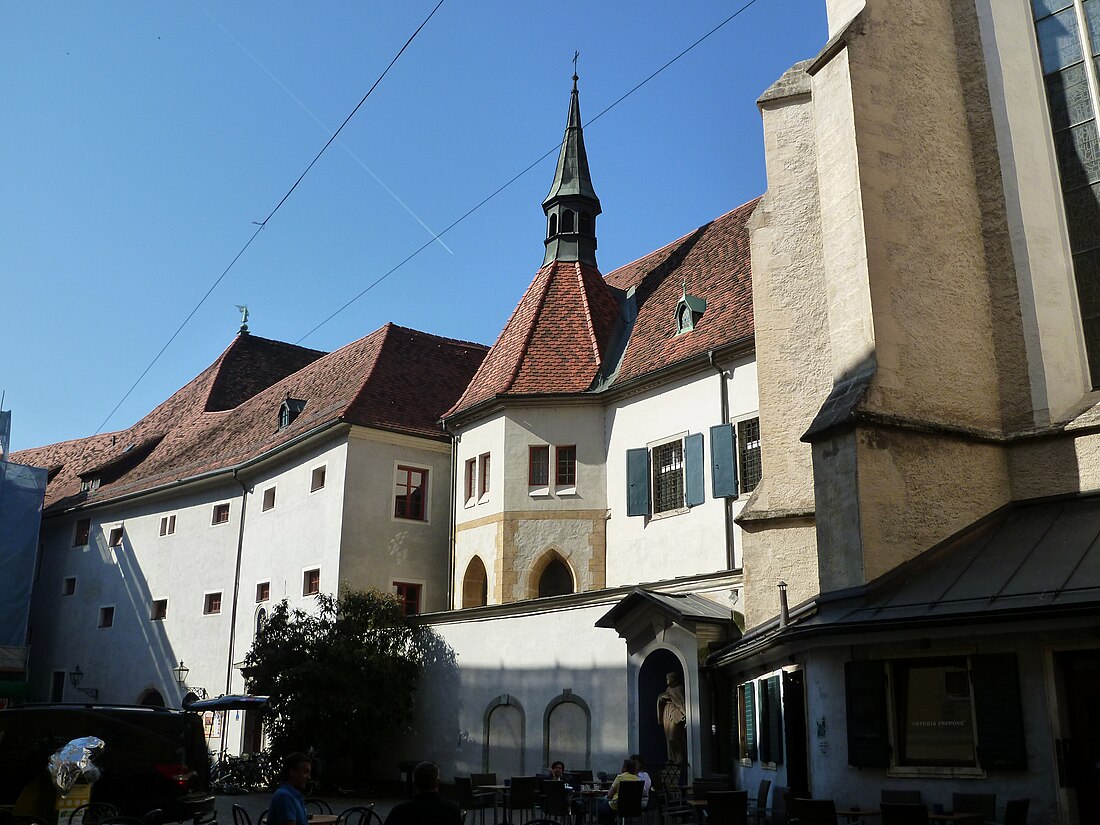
865	694
693	470
637	482
999	713
723	461
748	697
771	722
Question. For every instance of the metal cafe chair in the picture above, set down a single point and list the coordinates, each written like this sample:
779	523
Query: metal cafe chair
471	800
555	801
359	815
240	816
520	797
727	807
322	807
760	809
628	803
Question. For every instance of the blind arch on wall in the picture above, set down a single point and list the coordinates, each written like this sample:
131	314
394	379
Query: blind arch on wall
505	737
475	584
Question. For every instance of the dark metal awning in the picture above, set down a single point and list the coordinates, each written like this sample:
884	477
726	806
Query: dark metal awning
228	703
1026	561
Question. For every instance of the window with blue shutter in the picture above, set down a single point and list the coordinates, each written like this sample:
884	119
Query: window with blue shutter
637	482
723	461
746	696
693	470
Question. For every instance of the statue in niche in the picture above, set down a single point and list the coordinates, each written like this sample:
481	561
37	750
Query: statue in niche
672	714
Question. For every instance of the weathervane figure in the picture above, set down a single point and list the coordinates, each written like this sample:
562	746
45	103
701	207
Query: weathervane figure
243	309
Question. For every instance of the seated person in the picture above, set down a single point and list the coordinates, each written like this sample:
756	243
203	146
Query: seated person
609	805
288	803
426	807
643	774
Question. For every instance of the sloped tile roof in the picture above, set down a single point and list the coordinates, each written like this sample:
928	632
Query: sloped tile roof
713	263
562	330
555	340
394	378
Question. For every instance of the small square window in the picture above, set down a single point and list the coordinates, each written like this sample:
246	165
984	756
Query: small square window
221	514
82	531
409	594
68	586
269	498
311	582
471	478
317	480
483	468
212	603
538	465
565	465
160	610
263	591
106	616
115	537
167	525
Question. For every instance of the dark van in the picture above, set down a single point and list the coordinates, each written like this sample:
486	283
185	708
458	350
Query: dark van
153	758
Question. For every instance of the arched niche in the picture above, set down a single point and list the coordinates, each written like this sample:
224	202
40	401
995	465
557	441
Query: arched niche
475	584
151	698
505	736
567	731
651	684
551	576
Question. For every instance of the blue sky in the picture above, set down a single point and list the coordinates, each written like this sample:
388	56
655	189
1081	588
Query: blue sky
142	140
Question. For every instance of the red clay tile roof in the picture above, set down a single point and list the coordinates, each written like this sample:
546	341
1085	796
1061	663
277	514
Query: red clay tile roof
395	378
714	262
561	332
555	340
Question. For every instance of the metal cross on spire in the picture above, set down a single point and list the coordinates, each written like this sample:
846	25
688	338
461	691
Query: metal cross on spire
576	54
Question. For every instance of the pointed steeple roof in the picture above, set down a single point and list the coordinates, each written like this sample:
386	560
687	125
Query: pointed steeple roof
572	177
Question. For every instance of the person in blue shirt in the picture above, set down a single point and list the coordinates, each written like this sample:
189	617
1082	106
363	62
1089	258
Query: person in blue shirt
288	803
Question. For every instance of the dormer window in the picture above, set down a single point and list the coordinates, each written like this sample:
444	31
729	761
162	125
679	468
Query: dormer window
291	408
89	483
689	310
567	221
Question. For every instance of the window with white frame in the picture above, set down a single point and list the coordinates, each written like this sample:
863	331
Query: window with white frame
220	514
263	591
269	499
168	525
317	479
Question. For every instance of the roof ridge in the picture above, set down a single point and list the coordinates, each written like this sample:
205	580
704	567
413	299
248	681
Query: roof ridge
444	338
683	237
536	315
588	313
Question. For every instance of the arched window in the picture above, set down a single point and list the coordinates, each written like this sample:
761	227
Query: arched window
556	579
586	224
567	220
261	619
553	226
475	584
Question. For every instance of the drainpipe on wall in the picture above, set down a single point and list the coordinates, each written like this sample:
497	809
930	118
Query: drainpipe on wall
725	417
451	518
233	611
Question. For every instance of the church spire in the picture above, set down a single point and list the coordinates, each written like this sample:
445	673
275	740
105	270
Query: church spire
572	206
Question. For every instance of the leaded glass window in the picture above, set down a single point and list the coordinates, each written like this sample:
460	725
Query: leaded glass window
668	476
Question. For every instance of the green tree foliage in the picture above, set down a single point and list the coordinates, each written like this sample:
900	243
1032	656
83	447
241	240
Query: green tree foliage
343	679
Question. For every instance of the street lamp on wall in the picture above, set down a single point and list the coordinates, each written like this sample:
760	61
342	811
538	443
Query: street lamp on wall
181	679
76	676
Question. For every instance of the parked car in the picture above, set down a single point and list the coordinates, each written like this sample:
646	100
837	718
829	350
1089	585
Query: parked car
153	758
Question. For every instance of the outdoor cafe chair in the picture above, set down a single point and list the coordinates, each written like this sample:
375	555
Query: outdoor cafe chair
814	811
760	809
240	816
482	779
358	815
555	802
521	797
320	804
262	819
727	807
904	813
780	794
975	803
1016	812
93	813
471	800
628	803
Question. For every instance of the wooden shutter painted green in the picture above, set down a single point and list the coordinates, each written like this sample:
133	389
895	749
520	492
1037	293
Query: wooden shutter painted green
693	470
748	696
723	461
637	482
1000	720
771	722
865	699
